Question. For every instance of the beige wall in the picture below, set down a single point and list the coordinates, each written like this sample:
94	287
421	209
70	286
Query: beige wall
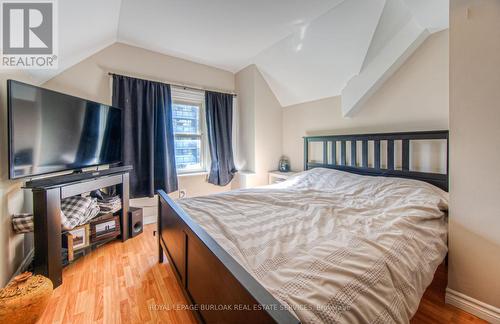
260	127
474	259
414	98
245	87
89	79
13	247
268	129
194	185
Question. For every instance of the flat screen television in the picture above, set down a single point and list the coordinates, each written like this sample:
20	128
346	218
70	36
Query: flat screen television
51	131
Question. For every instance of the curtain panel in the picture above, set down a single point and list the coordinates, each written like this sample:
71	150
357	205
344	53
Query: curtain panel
219	117
148	138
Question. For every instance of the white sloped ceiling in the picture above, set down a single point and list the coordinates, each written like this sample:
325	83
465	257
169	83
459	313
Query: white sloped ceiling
403	27
431	14
221	33
84	28
318	60
394	17
305	49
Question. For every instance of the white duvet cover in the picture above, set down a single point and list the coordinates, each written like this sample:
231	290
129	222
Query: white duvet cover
331	246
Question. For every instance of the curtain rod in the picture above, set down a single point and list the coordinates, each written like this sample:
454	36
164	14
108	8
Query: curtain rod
180	85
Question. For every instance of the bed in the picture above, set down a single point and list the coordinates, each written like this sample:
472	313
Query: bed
346	241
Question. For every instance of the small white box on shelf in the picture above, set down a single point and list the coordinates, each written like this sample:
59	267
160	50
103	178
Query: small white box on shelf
278	176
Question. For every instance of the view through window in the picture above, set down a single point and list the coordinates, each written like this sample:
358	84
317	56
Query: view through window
188	137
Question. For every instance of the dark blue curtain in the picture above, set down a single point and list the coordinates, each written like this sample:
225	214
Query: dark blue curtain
148	139
219	115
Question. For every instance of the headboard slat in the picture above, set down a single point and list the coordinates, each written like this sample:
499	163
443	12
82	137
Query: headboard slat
353	153
437	179
390	154
342	153
334	152
377	154
406	155
325	152
364	155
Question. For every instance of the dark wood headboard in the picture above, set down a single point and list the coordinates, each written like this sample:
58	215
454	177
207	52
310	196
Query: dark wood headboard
329	159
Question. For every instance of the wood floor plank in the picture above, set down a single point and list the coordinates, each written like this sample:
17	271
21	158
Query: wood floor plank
124	283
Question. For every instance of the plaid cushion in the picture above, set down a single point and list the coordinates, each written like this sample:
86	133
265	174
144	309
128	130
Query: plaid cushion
75	211
22	223
109	205
65	222
78	210
91	212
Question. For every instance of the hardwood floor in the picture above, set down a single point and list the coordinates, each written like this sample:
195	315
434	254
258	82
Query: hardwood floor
122	283
118	283
432	308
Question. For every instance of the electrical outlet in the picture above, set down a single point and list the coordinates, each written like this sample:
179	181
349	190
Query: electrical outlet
182	193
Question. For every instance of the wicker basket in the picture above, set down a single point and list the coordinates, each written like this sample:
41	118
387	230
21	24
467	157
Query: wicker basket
24	299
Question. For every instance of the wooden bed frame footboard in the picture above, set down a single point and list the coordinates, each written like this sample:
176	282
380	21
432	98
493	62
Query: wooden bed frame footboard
219	288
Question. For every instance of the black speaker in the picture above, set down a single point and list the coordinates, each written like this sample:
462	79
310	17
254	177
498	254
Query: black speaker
134	221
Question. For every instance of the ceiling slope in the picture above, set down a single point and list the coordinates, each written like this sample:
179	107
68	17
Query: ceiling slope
395	16
390	58
403	27
432	15
221	33
318	60
305	49
84	28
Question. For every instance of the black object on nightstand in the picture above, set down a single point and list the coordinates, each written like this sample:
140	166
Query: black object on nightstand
135	221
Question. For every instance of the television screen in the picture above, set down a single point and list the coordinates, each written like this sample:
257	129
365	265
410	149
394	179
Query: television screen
51	131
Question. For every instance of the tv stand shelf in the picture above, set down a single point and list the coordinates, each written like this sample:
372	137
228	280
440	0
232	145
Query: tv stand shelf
47	195
74	177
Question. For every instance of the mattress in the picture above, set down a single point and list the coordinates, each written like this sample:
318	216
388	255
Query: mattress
331	246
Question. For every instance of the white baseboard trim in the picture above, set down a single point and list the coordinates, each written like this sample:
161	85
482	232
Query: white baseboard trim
482	310
149	219
24	264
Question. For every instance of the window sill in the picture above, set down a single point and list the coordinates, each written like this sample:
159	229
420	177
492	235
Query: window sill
192	174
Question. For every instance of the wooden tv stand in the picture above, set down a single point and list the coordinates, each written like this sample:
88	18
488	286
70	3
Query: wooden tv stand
47	195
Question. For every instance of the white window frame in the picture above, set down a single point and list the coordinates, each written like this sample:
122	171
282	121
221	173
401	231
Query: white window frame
194	98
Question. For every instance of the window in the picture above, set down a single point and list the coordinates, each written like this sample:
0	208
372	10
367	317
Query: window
190	146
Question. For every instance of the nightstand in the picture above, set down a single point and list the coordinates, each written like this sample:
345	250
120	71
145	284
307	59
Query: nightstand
278	176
